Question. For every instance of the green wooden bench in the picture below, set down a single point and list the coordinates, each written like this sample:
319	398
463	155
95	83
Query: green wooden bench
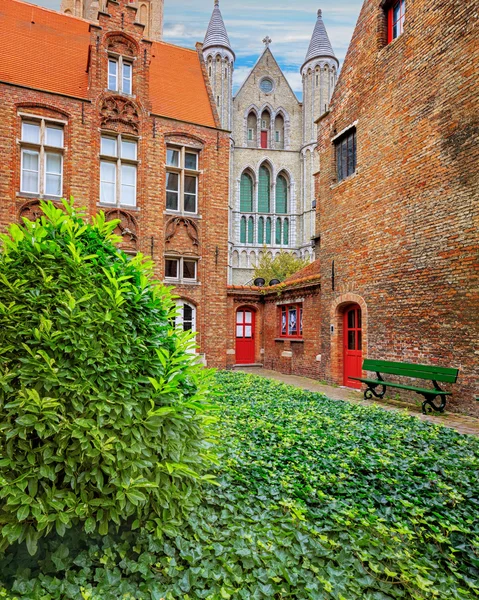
430	373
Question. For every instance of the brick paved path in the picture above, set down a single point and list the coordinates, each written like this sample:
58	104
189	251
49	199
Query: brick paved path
461	423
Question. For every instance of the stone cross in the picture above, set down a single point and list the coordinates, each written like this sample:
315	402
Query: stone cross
267	41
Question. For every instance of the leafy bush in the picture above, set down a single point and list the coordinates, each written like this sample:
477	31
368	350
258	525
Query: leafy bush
101	408
319	500
280	267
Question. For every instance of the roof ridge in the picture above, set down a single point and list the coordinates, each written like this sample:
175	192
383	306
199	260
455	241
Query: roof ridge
50	10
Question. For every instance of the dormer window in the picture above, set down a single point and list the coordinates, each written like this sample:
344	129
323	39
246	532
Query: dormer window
120	75
395	15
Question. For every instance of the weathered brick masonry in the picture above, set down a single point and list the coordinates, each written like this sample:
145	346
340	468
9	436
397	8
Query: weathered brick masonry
171	103
403	230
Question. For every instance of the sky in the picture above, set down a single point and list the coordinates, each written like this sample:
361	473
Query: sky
288	23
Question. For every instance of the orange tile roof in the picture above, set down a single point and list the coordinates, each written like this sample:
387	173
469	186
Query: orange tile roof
177	85
47	50
43	49
306	272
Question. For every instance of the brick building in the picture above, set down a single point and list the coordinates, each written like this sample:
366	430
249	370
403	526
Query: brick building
97	111
397	208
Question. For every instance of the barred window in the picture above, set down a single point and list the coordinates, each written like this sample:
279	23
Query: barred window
346	154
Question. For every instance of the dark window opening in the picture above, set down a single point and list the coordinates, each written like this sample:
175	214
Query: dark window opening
346	154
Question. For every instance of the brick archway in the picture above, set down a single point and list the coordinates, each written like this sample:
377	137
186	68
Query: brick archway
338	307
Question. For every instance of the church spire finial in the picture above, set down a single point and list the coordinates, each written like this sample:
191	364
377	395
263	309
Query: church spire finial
320	13
217	2
267	41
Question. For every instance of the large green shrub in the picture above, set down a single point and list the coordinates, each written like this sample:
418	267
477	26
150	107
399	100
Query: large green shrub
101	406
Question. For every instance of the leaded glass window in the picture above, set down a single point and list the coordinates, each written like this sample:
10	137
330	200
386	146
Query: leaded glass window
281	195
246	193
264	190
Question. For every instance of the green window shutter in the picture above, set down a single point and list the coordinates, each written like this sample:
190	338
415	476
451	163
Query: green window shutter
286	232
250	230
264	190
268	231
281	195
243	230
278	231
261	230
246	193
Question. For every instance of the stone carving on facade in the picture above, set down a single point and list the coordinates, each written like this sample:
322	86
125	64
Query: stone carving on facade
121	45
127	228
30	210
189	225
117	112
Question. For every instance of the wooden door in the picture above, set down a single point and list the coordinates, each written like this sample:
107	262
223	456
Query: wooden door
245	339
264	139
353	346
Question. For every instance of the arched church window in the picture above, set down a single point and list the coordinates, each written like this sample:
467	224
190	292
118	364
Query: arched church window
186	319
251	230
281	195
278	237
243	230
261	230
264	190
268	231
286	232
246	193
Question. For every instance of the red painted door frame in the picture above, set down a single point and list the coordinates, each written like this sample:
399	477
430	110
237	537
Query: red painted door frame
245	336
353	346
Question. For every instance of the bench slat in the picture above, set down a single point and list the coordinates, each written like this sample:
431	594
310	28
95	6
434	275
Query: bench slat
403	387
429	372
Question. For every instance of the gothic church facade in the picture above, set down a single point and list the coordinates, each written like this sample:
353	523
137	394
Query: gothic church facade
273	146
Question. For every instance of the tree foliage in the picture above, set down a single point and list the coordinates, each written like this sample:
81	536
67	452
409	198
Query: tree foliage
282	266
101	407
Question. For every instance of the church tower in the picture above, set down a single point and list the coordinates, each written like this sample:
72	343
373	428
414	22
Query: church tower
150	13
319	72
219	58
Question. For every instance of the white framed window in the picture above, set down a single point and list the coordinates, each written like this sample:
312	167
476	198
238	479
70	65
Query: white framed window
118	170
186	319
182	180
250	135
181	269
120	75
42	145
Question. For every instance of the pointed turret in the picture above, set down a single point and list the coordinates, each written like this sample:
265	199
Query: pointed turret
320	46
319	71
219	58
216	34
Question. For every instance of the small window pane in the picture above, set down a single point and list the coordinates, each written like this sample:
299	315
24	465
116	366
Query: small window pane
190	185
190	203
171	268
30	160
128	185
248	331
172	200
53	175
239	316
128	149
351	340
107	183
360	341
187	312
283	322
31	133
189	269
352	319
239	331
108	146
172	182
248	317
293	321
127	68
112	75
191	161
54	137
172	158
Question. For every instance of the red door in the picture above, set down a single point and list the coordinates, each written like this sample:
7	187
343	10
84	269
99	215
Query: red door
264	139
353	346
245	354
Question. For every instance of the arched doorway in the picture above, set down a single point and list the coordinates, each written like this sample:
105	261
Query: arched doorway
245	336
353	345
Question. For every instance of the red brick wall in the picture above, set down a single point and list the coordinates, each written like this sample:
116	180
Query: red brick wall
403	231
153	231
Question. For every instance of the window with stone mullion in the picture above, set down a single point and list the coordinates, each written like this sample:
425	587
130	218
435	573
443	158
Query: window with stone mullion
264	191
281	195
246	193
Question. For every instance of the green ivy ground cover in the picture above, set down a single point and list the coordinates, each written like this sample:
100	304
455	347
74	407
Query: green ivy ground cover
318	499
